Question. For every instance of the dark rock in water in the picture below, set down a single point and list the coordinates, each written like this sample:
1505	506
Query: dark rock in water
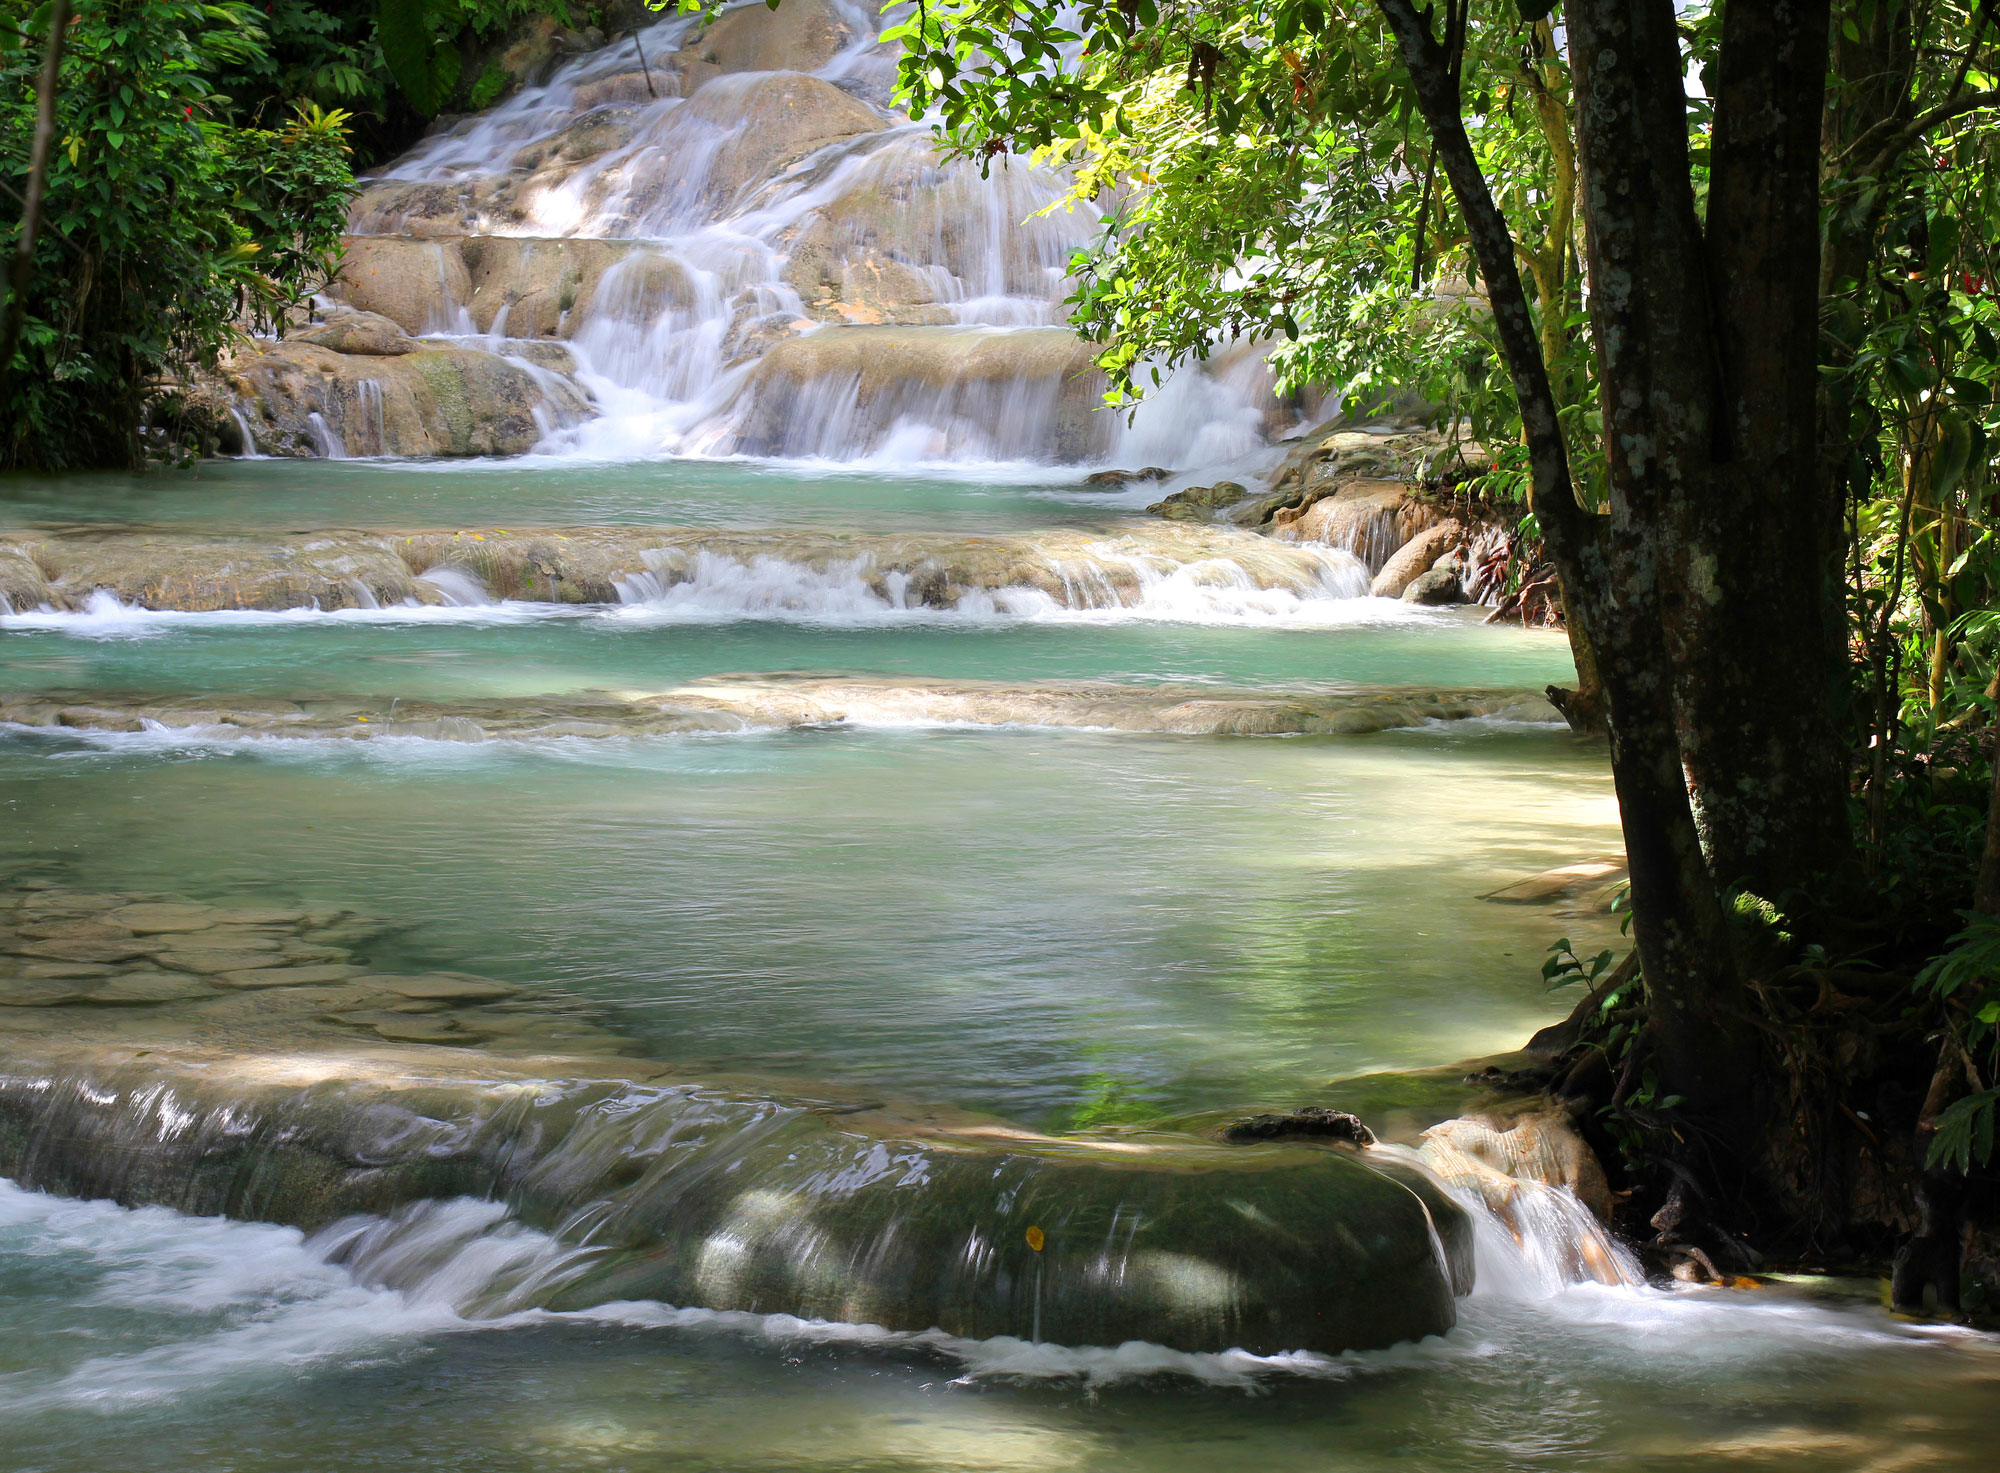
1198	503
1311	1122
1112	480
1438	586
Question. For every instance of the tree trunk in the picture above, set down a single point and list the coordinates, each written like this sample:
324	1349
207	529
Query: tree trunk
1658	387
1659	383
1765	761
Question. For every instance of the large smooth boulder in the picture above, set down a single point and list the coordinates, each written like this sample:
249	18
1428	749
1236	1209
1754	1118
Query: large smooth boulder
366	334
549	287
1037	389
304	399
1435	588
1414	558
421	285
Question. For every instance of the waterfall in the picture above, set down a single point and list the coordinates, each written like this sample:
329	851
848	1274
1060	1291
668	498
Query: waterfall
326	437
250	450
374	432
749	252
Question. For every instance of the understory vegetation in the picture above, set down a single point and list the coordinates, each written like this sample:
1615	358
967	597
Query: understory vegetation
197	177
1784	605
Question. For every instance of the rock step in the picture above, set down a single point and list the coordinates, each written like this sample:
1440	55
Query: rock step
734	703
1072	567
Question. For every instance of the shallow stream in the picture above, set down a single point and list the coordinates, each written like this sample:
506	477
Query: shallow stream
917	778
1062	927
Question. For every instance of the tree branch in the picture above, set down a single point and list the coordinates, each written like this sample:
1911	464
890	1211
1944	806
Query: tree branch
1565	524
1921	124
1980	20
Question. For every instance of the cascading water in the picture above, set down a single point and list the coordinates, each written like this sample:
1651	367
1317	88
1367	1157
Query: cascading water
749	260
330	443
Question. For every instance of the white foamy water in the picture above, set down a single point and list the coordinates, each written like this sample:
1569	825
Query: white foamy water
1327	591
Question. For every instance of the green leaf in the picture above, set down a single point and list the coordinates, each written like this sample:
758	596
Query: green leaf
1953	452
402	27
486	91
445	66
1965	1132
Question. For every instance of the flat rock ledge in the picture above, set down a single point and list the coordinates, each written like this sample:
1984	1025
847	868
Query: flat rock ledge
727	703
63	570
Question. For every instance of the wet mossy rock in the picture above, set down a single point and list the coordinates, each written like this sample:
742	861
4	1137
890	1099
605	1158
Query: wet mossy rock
1354	487
425	400
704	1198
1313	1122
1199	503
1435	587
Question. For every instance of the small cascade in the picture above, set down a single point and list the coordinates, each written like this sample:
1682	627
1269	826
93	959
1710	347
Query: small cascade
368	397
1525	1176
1105	580
457	587
1150	571
331	446
687	1196
250	450
748	251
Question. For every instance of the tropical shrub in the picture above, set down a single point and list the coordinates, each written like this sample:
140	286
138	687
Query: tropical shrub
164	225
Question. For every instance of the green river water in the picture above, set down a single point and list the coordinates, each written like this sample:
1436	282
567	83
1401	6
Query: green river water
1060	927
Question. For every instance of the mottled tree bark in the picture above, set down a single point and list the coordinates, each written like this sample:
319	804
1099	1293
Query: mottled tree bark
1709	591
1762	597
1662	389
